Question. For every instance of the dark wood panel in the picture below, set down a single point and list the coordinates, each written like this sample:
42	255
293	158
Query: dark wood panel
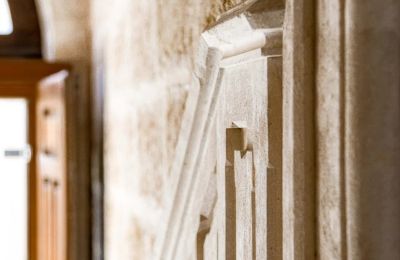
26	70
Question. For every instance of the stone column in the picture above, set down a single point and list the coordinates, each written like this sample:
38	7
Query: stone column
298	136
358	129
372	128
330	197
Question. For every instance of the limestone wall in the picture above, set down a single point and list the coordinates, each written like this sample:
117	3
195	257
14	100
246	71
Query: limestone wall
147	50
142	53
339	130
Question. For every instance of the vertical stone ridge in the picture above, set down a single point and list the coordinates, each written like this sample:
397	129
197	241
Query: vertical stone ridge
342	132
330	127
298	131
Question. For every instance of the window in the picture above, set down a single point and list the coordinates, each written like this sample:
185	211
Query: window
6	25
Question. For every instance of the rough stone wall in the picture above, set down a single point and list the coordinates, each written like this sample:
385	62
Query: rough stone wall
147	50
143	51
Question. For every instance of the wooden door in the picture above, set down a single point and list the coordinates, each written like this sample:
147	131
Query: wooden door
51	168
43	86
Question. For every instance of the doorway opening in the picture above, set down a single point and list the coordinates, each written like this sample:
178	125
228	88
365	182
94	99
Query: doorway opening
14	159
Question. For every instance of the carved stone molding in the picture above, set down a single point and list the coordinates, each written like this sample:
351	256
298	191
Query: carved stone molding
231	48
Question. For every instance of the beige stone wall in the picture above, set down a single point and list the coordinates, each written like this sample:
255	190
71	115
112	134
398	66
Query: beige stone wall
339	182
144	52
147	49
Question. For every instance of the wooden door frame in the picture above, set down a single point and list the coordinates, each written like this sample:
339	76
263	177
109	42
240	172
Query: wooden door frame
19	79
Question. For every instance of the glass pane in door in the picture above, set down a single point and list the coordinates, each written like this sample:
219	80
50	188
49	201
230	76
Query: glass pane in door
14	156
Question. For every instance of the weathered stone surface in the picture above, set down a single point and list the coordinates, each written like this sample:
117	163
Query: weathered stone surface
298	125
143	52
148	50
330	127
